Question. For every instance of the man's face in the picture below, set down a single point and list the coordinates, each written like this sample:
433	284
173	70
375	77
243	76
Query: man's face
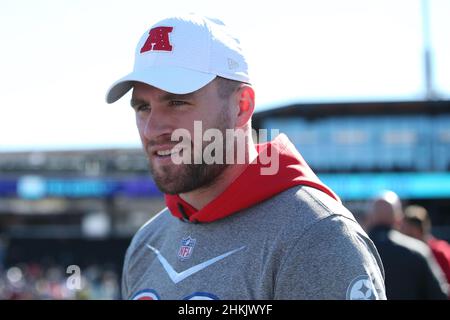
410	229
159	113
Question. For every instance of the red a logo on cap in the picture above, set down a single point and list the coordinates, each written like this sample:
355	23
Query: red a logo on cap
158	40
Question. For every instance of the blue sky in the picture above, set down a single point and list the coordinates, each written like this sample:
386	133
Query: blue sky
58	57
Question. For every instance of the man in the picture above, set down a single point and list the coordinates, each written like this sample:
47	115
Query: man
241	227
411	272
416	223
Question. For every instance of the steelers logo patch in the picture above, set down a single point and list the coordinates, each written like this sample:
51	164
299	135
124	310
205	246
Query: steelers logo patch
361	288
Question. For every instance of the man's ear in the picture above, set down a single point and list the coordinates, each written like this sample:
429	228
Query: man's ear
246	103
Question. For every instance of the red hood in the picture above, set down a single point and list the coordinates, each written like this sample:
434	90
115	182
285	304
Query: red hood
293	170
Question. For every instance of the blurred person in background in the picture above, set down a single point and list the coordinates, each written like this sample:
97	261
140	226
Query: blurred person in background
410	268
416	223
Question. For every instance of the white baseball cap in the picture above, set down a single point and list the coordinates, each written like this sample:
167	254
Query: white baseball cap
182	54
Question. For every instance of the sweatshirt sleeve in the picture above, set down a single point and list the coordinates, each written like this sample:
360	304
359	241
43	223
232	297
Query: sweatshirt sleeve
124	284
333	259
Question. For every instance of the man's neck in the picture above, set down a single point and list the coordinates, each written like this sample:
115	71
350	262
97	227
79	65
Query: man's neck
199	198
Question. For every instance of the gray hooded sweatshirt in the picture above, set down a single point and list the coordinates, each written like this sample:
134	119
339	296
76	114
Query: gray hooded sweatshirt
285	236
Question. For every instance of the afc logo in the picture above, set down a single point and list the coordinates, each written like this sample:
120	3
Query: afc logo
158	40
187	246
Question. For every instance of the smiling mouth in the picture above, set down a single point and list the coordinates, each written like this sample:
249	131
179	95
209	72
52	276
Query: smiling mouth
168	152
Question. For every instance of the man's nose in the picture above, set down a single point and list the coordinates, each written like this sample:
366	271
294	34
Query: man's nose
156	124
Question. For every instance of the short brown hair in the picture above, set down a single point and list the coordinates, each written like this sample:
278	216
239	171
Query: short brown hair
226	87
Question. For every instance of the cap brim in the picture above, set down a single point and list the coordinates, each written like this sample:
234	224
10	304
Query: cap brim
170	79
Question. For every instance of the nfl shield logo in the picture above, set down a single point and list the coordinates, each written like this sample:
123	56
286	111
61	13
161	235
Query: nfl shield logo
187	246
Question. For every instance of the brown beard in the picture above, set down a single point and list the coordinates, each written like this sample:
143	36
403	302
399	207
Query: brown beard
182	178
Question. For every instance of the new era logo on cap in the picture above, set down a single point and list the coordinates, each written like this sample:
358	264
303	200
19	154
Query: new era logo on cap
200	49
158	40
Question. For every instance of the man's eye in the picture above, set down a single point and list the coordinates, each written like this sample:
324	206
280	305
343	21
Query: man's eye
142	108
177	103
